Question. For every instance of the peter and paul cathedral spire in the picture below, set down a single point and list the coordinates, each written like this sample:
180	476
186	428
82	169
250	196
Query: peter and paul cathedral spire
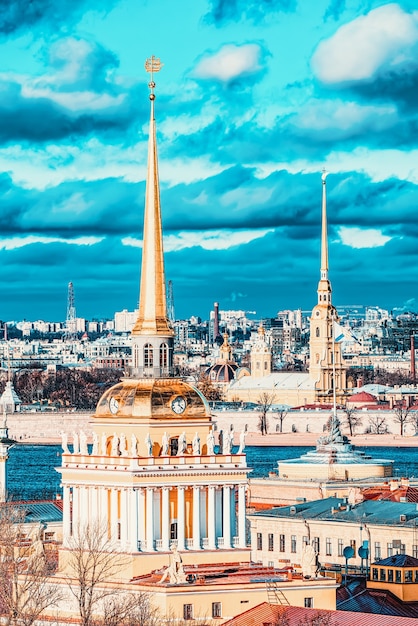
323	350
152	335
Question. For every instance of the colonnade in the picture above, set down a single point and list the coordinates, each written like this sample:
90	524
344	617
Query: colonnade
150	518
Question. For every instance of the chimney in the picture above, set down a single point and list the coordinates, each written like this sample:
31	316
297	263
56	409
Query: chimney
216	320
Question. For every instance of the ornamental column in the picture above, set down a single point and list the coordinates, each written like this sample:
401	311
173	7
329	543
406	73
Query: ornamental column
141	518
227	516
133	525
165	519
196	518
124	519
242	542
150	519
66	514
211	518
180	518
114	517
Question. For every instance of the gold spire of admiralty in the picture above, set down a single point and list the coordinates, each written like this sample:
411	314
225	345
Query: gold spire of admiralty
152	322
324	287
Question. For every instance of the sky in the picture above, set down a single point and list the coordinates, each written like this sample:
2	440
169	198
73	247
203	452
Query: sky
254	99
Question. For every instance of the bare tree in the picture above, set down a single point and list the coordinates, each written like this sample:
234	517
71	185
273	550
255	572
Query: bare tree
351	418
209	390
401	415
26	589
378	425
319	618
131	609
280	415
413	419
92	562
264	400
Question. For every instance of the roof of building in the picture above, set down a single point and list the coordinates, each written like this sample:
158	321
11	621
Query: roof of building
355	597
362	397
38	511
402	493
222	372
265	613
337	509
398	560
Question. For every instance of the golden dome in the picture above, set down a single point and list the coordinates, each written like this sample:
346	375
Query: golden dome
156	398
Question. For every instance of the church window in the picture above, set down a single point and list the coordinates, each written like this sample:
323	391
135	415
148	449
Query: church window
317	331
164	355
148	355
187	611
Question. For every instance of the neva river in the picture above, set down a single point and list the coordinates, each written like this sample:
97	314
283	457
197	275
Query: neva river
31	471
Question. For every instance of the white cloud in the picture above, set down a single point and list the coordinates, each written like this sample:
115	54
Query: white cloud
358	49
208	240
362	238
230	62
20	242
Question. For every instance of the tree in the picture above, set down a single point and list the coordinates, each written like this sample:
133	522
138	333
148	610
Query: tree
131	609
209	390
319	618
25	569
378	425
92	562
280	415
264	400
401	415
352	419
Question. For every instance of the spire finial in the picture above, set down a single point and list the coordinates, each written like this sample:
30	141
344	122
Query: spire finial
152	65
324	238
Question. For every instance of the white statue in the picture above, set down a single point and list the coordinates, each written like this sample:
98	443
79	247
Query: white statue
64	443
182	444
228	438
242	436
134	446
122	445
95	449
37	553
175	568
164	445
103	445
196	444
210	442
115	445
83	443
309	561
76	445
148	443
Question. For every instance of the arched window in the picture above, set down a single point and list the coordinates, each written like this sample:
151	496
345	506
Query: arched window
317	358
164	355
148	355
317	331
136	356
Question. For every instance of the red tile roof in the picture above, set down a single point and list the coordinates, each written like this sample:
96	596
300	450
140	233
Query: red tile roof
269	614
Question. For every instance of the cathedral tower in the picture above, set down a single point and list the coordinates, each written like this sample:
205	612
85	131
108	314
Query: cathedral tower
260	355
323	350
152	334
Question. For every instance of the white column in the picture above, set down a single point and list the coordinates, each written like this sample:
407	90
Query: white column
114	518
66	514
180	518
84	507
165	518
76	508
133	526
104	512
241	517
141	516
124	519
211	518
227	516
196	518
150	519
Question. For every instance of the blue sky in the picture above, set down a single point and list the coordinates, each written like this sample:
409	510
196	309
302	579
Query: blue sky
254	99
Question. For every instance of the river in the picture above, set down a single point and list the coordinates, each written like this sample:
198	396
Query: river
31	473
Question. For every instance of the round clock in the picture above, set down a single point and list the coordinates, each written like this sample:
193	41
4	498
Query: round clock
178	405
113	405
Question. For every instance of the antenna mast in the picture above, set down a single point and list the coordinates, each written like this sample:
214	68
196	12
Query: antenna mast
70	324
170	301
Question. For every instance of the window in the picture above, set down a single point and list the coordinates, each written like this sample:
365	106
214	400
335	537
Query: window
271	542
308	603
398	576
315	544
187	611
305	540
164	356
293	544
328	548
390	549
216	609
408	576
390	575
415	550
173	530
148	355
270	564
375	573
353	545
282	543
317	331
340	547
377	551
382	575
259	541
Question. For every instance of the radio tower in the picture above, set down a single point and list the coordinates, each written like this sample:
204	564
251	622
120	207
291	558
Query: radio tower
170	301
70	324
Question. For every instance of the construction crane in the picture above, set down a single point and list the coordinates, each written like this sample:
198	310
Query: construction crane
70	323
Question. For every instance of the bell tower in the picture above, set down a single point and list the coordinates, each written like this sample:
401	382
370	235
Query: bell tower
323	350
152	334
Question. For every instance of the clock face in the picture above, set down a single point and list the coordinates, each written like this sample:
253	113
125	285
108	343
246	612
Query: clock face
178	405
113	405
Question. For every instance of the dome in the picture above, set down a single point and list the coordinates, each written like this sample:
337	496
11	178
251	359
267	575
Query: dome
222	372
362	398
156	398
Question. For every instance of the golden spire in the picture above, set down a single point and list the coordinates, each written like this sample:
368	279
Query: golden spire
324	286
152	317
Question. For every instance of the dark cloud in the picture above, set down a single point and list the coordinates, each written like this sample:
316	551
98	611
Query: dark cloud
335	9
22	15
398	85
223	11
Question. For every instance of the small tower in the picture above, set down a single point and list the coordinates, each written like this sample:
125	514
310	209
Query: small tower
70	323
152	334
260	355
323	350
